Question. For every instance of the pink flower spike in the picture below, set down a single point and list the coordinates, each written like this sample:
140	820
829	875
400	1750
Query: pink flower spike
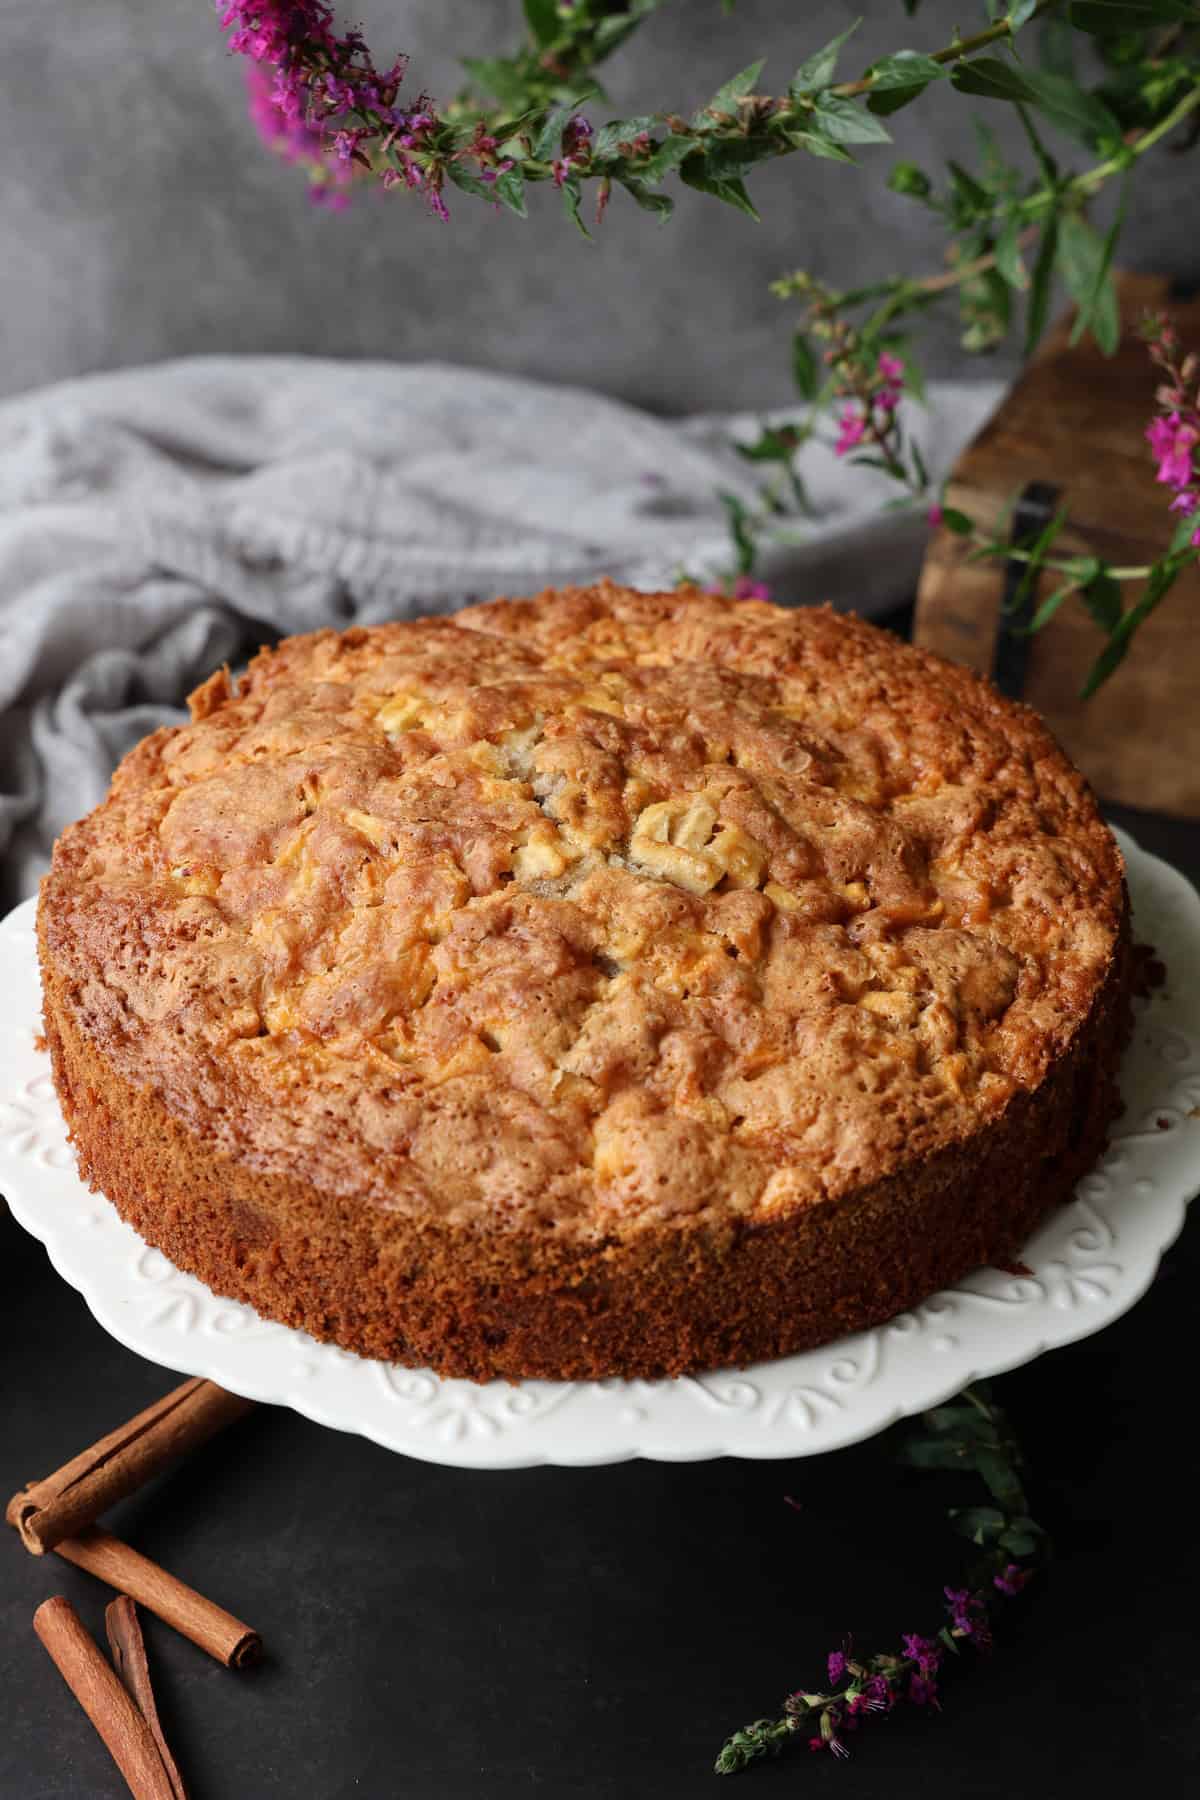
934	515
1185	502
851	427
1172	440
1160	434
890	367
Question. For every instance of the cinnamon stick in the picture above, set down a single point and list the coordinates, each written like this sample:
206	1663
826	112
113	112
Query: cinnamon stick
229	1640
128	1649
91	1679
64	1503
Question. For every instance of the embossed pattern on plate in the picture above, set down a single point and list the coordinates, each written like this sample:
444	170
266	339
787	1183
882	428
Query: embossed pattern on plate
1088	1265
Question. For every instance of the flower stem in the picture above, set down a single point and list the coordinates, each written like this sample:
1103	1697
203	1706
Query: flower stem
1085	185
1114	165
953	52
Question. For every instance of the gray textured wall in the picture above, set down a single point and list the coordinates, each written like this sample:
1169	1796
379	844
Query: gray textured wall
139	219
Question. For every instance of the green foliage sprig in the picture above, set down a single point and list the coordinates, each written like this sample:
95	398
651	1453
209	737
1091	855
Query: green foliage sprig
969	1435
1111	79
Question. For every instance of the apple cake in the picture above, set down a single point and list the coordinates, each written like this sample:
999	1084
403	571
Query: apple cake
601	984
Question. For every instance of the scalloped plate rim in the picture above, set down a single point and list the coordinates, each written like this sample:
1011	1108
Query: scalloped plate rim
645	1438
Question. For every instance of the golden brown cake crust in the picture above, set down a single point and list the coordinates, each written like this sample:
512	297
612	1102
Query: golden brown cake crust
606	983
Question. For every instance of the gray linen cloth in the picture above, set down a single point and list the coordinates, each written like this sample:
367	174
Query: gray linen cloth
159	521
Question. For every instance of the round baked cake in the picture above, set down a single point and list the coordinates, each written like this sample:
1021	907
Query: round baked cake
604	984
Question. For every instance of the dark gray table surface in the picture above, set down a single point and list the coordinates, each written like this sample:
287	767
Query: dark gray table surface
434	1633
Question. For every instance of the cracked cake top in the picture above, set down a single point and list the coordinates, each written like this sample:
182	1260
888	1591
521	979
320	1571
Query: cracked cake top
590	910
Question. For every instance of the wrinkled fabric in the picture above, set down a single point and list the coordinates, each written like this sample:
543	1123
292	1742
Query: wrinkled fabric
157	522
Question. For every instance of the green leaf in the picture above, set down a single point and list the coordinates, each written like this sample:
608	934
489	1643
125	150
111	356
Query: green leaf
1009	260
816	145
772	446
872	462
892	100
969	196
919	468
549	139
740	531
1038	550
1045	161
572	194
660	204
982	1524
1103	312
509	190
1163	577
1079	114
1020	14
818	71
725	100
1184	533
667	156
904	69
991	79
733	156
500	78
956	521
730	188
469	183
611	31
608	140
1042	285
906	178
842	122
929	1453
1102	598
1048	608
1104	18
901	79
805	368
543	21
1083	263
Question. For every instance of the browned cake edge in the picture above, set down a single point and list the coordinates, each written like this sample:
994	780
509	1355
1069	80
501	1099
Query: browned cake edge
671	1300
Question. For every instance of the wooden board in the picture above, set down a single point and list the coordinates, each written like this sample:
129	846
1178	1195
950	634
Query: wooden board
1075	421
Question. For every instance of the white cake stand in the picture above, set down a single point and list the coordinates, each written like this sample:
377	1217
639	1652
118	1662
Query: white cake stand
1089	1264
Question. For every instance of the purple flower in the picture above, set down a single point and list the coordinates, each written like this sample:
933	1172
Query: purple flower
852	425
961	1604
837	1666
1172	440
332	102
1011	1579
493	174
877	1694
968	1616
923	1692
925	1652
576	136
